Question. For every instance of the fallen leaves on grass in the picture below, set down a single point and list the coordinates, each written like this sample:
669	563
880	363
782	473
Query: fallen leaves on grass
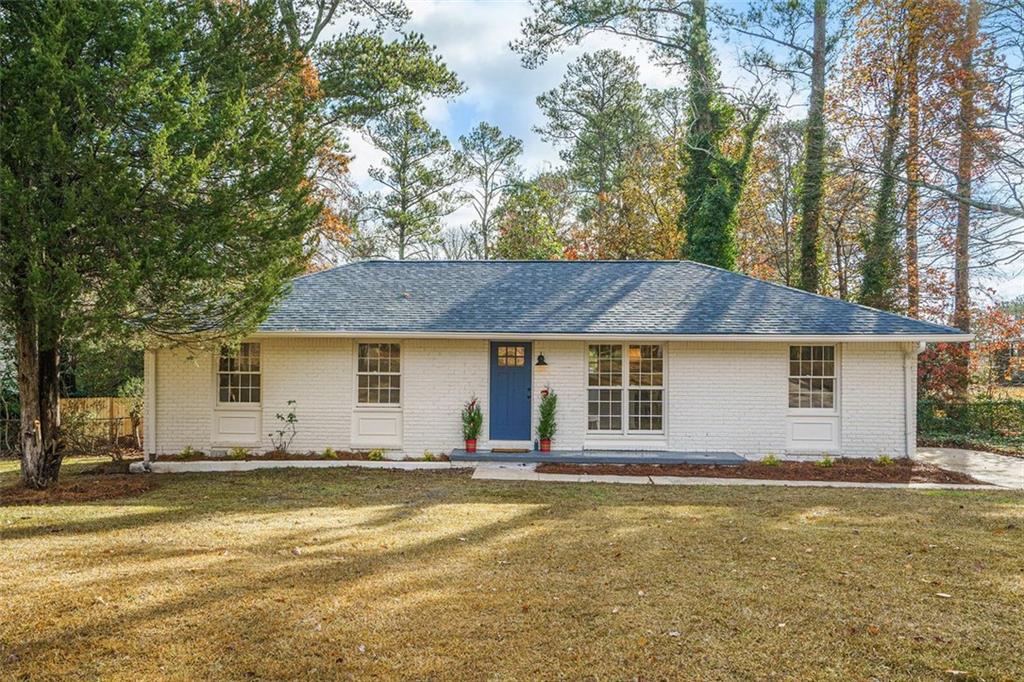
79	489
533	592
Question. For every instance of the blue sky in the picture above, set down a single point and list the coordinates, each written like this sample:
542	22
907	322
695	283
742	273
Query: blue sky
473	38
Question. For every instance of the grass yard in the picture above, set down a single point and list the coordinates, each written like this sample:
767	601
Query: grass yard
430	575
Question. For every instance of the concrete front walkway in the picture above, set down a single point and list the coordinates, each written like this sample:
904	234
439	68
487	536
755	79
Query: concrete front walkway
1001	470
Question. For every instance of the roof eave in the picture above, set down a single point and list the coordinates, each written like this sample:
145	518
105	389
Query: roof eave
575	336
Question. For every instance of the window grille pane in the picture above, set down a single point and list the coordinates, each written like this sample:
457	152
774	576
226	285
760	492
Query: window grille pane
645	410
238	374
645	365
812	372
604	410
377	373
604	365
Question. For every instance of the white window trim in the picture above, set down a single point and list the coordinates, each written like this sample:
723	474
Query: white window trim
837	393
355	376
217	403
625	432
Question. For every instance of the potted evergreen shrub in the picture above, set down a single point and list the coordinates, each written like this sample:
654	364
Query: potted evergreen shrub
546	426
472	421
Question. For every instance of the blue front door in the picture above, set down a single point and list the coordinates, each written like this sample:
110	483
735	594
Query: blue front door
510	390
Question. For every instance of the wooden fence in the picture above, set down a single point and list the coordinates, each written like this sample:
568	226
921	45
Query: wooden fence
88	425
109	414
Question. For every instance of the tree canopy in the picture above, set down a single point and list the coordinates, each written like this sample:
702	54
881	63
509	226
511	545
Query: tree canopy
153	180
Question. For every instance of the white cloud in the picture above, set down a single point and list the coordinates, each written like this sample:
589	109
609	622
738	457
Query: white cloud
364	155
473	37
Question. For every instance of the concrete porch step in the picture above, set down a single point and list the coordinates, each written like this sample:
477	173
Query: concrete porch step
601	457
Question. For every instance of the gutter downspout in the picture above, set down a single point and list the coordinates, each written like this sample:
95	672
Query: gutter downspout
910	396
149	392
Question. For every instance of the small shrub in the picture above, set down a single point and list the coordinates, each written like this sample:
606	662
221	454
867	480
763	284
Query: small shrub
375	455
472	420
188	452
884	460
546	427
285	434
429	456
238	453
770	461
77	433
826	462
329	453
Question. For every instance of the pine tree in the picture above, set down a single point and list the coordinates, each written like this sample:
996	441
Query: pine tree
420	173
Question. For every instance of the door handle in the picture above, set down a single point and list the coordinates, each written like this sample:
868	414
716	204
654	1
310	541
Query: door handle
529	393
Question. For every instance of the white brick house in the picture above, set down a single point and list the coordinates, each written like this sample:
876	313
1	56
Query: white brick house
643	356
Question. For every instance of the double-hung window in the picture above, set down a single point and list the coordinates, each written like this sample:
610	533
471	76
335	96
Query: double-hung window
379	374
238	374
625	388
812	377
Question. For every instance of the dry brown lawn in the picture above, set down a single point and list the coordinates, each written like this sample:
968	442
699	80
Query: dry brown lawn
351	573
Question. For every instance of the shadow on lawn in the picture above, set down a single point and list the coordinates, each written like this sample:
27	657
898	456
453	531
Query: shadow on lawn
454	557
183	498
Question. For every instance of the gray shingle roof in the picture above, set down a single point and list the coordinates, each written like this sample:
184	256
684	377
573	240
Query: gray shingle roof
569	297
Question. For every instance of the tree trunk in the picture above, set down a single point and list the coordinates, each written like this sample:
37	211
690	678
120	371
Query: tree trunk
913	166
965	168
38	383
814	159
880	266
841	279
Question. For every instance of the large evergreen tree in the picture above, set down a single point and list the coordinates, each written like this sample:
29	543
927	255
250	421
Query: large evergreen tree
153	181
370	67
490	162
420	173
677	35
598	117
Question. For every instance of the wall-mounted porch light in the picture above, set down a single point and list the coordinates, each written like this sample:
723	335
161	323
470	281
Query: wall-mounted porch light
541	362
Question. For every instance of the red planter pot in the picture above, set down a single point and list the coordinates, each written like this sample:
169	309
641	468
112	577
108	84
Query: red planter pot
545	445
471	445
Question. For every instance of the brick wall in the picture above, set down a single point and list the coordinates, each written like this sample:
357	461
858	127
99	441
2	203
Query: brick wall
873	399
184	401
318	375
566	375
720	396
439	377
727	396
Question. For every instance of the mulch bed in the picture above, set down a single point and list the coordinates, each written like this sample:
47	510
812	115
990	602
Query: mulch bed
339	456
846	469
80	489
276	456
